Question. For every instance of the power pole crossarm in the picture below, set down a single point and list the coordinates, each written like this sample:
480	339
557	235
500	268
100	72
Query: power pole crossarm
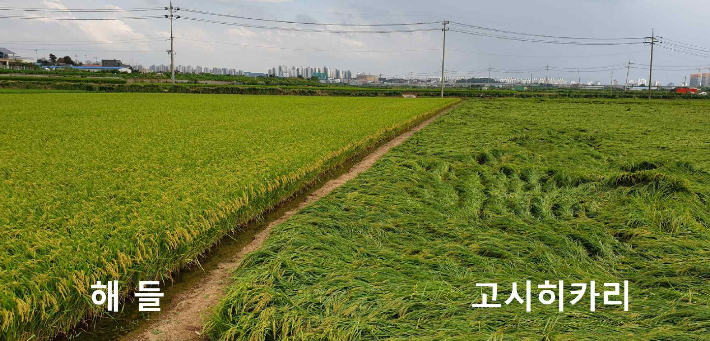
443	61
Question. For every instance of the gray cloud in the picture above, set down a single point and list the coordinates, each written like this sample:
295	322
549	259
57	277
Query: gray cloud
682	20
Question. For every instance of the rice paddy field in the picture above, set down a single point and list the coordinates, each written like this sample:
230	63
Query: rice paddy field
133	187
498	191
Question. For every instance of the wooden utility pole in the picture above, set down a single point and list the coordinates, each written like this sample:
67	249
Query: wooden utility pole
443	61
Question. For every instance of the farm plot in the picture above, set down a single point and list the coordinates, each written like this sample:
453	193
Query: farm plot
499	191
131	187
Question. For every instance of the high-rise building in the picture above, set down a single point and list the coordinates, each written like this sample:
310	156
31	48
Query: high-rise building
706	80
696	80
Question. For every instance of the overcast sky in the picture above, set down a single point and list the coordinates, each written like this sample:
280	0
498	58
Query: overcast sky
255	49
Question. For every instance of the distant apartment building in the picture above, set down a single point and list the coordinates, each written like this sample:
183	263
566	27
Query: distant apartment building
698	80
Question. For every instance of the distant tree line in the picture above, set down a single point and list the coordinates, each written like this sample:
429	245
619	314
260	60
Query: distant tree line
53	61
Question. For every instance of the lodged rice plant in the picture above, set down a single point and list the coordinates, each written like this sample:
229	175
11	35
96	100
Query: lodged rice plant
498	191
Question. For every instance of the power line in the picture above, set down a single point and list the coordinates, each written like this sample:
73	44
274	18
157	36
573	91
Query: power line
538	35
675	42
556	42
684	51
292	29
82	10
679	57
84	19
305	23
308	50
82	42
82	50
547	57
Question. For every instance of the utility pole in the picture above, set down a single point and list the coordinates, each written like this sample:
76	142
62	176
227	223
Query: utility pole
628	70
650	74
547	72
611	83
531	80
443	60
172	18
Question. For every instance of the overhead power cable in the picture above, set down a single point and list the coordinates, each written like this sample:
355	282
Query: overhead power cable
82	50
556	42
547	57
84	19
685	48
537	35
310	50
678	43
82	10
696	54
81	43
306	23
293	29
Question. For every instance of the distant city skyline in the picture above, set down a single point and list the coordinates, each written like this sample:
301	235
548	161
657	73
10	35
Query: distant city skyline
396	55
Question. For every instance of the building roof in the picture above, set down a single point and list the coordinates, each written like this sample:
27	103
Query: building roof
6	51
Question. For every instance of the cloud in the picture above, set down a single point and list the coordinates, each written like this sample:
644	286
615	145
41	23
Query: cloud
672	19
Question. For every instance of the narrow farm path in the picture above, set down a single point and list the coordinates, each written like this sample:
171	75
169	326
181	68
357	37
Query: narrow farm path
183	319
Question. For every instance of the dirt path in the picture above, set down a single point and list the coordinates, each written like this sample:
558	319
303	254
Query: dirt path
182	321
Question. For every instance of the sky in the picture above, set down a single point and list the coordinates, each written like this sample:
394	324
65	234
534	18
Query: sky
419	53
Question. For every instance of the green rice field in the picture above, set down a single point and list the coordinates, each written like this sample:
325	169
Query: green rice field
132	187
498	191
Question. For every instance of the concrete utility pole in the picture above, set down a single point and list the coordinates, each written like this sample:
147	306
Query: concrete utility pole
547	72
172	18
611	83
628	70
443	61
650	74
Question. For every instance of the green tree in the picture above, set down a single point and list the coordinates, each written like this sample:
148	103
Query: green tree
53	59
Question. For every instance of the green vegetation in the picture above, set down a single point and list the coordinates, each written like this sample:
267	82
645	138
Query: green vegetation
194	78
55	79
501	191
132	187
141	86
